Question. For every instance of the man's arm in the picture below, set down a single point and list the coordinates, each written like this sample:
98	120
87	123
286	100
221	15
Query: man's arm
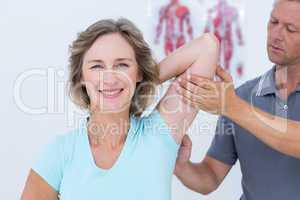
278	133
203	177
220	98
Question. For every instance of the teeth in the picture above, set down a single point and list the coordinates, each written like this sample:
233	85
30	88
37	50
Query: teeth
110	92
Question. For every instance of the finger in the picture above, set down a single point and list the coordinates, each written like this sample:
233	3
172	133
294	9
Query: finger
201	106
201	102
225	76
192	103
201	95
198	80
186	141
188	94
206	84
185	84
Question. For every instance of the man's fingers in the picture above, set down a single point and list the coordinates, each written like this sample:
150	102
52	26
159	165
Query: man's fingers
186	141
203	82
196	93
225	76
187	85
200	89
191	95
196	82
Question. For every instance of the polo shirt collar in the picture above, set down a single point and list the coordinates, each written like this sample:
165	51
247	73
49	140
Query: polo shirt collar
267	84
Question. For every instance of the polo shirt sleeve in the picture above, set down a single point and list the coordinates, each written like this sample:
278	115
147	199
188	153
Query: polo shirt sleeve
49	164
223	146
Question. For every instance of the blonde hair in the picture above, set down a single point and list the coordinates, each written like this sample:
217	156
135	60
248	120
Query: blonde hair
147	66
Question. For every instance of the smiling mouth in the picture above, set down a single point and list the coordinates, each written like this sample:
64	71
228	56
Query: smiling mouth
111	93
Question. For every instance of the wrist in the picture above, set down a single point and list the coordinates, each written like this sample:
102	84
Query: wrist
232	106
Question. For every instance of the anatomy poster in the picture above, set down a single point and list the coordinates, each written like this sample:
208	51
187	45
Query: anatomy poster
173	25
176	22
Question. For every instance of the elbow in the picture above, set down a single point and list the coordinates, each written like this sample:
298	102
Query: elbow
202	189
208	186
289	147
209	190
210	41
206	193
295	152
207	53
211	180
294	149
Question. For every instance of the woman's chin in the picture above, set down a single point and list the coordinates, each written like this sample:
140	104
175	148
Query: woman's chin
111	107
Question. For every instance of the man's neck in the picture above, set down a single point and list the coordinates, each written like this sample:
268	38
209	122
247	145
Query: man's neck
287	79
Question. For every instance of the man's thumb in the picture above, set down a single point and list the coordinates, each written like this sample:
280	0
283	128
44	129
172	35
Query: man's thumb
186	141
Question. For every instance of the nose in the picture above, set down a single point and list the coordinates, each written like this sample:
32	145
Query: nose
276	33
109	77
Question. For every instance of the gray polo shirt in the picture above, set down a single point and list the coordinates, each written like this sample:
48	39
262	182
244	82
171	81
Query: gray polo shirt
266	173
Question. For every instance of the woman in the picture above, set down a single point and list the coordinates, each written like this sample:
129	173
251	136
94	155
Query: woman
117	154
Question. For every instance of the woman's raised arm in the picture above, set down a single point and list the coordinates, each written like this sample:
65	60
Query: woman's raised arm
199	57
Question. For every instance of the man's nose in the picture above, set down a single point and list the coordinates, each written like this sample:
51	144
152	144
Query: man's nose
277	33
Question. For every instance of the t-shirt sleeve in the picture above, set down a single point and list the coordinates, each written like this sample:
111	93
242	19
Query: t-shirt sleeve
223	146
49	164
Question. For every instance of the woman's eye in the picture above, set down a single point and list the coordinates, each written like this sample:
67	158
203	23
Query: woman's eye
122	65
97	67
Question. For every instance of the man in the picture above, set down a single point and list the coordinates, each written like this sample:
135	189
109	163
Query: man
259	125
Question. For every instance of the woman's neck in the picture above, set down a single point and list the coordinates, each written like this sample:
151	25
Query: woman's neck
109	129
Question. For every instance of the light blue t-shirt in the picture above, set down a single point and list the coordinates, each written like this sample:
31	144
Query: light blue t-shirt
143	170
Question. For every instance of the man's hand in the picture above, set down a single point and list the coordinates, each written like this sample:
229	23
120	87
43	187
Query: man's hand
216	97
184	154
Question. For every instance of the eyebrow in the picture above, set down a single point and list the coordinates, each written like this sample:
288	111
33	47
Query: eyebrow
288	24
118	59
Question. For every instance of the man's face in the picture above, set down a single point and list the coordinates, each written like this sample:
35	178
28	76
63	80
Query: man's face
283	42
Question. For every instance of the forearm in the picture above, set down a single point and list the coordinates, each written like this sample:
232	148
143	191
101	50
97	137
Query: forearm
198	177
182	58
279	133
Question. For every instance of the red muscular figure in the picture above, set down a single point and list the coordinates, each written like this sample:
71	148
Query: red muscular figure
175	17
221	21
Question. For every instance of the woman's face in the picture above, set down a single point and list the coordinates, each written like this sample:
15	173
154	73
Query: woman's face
110	73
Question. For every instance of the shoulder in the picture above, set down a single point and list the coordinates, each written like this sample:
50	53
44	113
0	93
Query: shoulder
153	128
152	120
61	147
55	157
67	139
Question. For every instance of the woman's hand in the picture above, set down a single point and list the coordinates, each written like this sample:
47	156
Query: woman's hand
216	97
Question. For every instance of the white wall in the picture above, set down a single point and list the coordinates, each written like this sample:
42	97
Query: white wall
36	34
